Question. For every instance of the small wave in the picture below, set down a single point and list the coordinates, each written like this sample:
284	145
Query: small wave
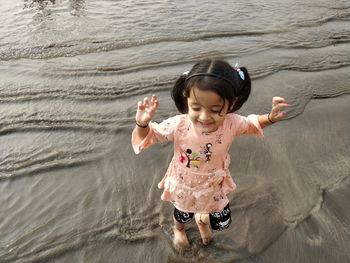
301	60
26	249
76	92
34	163
40	120
86	46
338	16
48	151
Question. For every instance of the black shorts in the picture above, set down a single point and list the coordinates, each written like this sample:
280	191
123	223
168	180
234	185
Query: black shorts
218	220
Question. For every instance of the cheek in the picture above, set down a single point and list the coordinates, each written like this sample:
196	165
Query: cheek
219	119
192	114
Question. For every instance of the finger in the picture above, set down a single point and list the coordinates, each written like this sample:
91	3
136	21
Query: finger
156	102
140	106
283	105
145	101
279	106
276	100
153	100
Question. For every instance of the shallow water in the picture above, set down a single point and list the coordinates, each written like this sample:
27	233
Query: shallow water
71	188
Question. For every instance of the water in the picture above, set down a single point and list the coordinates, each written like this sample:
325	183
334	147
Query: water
72	190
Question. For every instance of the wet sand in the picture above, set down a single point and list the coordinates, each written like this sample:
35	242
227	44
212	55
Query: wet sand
290	205
72	189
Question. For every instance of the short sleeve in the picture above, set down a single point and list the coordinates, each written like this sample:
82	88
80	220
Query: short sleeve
246	125
158	133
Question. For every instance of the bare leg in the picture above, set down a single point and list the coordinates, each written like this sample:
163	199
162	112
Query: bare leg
180	237
203	224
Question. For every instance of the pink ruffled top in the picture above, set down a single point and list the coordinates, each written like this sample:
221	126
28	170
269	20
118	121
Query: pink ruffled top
198	177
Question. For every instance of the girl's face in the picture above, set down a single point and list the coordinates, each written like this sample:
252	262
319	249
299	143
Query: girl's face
206	109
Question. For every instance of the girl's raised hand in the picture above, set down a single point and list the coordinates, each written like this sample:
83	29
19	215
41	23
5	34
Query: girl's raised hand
278	104
146	110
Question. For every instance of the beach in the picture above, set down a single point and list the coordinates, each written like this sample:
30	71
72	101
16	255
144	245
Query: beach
72	71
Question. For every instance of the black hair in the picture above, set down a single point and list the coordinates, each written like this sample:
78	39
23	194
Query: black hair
215	75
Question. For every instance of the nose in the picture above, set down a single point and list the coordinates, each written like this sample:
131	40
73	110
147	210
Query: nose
204	115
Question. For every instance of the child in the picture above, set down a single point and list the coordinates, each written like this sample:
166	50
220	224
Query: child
198	177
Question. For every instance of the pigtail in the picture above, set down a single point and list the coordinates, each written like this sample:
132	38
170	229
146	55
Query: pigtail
243	88
178	94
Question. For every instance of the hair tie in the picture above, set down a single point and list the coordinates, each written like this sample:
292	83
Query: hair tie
185	73
239	71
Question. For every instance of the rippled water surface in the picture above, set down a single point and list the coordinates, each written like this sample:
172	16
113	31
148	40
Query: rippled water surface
72	71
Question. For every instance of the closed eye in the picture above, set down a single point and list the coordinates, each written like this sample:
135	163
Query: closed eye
195	108
216	109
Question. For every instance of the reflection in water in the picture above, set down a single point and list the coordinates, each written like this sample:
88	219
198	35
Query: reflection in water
75	6
40	4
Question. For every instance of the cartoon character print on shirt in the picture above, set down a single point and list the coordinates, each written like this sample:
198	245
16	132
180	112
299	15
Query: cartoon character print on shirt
217	198
207	151
219	138
192	158
166	128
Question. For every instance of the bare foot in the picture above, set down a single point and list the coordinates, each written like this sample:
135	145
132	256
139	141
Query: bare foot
180	237
203	223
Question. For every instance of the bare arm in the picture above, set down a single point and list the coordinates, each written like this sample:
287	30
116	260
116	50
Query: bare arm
144	114
276	114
